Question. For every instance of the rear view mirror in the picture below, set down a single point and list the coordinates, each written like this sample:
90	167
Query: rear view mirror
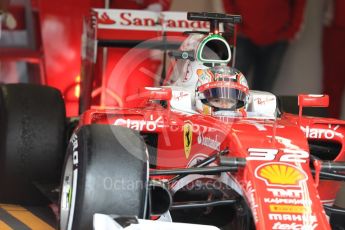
155	93
312	100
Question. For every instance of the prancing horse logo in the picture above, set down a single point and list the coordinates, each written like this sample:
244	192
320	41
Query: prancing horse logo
187	137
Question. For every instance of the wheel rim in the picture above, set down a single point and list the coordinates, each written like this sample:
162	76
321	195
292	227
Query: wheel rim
67	195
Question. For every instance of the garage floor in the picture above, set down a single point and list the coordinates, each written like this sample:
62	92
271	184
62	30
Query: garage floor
26	218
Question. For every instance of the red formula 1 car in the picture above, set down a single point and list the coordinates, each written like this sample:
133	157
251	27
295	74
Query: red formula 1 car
201	148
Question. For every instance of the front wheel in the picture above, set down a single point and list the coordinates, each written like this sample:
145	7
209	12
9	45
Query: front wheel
105	171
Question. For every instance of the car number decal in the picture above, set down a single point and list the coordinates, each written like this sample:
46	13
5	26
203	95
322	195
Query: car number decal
289	155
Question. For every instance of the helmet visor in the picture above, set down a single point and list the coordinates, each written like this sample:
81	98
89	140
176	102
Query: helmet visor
223	97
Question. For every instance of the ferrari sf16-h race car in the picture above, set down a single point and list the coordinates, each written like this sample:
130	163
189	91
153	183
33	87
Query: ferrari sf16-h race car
200	151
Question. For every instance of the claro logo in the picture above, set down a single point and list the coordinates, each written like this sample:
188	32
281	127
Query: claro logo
317	133
149	125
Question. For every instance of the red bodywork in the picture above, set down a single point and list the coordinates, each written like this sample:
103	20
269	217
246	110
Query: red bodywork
277	181
292	200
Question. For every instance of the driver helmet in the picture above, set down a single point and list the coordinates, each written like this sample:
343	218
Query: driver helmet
221	88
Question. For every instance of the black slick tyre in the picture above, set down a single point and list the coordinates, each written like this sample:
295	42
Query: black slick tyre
32	141
105	171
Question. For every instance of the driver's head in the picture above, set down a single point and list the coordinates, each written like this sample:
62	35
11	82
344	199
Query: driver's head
225	89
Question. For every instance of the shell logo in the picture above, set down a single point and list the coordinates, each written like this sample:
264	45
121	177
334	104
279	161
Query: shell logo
280	174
